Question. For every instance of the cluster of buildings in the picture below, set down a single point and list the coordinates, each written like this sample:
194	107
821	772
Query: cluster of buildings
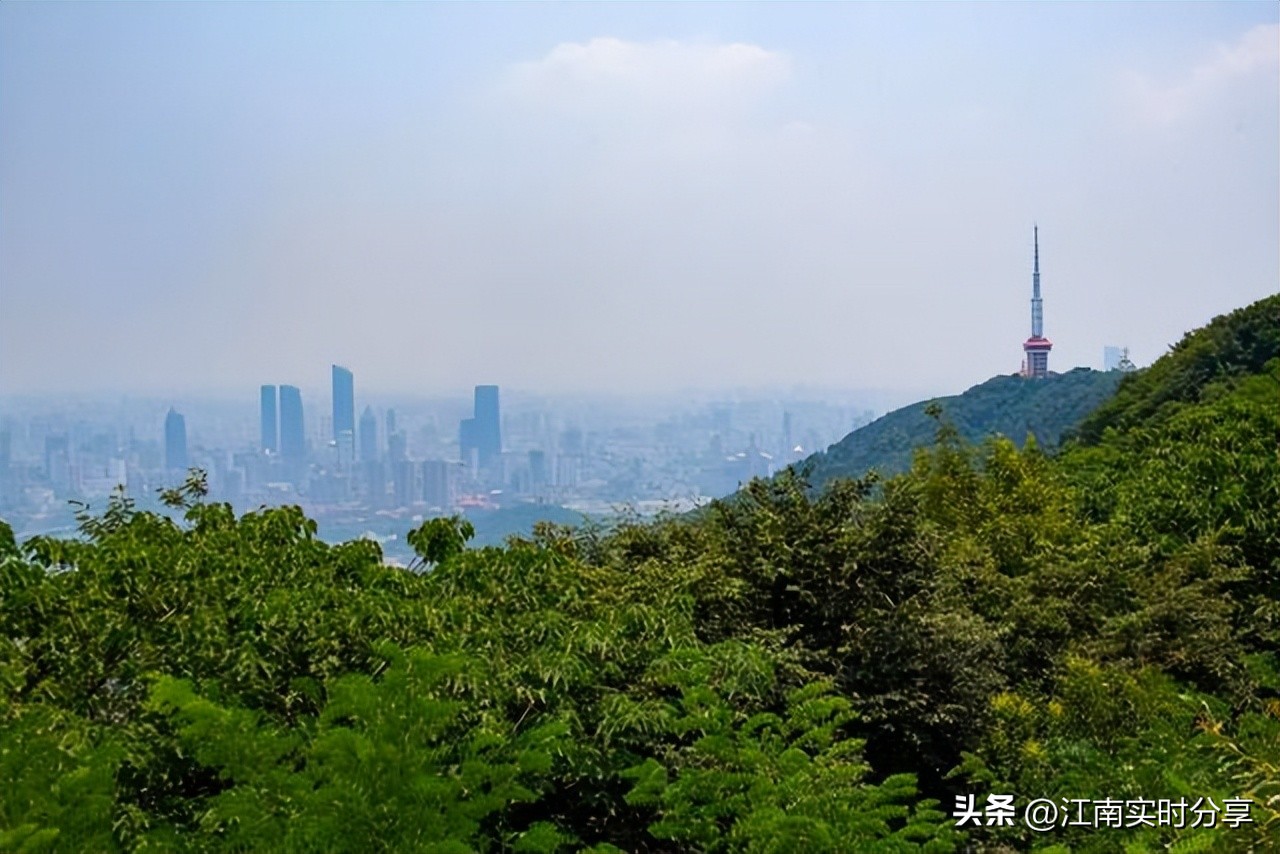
434	460
372	468
367	461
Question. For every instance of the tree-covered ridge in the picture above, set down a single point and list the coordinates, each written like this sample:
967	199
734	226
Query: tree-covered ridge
1231	346
1011	406
793	670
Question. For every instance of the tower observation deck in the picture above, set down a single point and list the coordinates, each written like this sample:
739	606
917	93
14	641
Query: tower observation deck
1036	348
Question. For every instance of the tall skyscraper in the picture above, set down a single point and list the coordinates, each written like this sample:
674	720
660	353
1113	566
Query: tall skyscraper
270	423
1036	348
344	402
344	416
293	438
368	436
396	443
467	445
175	442
488	425
1111	357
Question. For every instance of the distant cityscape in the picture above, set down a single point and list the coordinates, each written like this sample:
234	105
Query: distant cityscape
505	466
402	461
408	459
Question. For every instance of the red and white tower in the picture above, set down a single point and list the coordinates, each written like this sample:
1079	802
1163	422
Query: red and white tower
1037	347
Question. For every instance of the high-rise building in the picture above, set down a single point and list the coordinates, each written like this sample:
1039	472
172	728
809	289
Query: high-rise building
1036	348
437	484
344	402
293	438
368	436
175	441
346	449
488	425
1111	357
406	483
467	445
344	416
391	423
537	468
270	423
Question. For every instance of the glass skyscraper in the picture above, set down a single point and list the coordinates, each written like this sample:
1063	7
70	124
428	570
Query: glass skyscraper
293	439
368	436
175	442
344	402
487	431
270	425
344	416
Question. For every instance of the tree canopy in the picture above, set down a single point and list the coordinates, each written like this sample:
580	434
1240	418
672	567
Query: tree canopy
1012	406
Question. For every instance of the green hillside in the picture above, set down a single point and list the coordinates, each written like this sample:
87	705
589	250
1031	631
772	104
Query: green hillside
1011	406
793	670
1232	346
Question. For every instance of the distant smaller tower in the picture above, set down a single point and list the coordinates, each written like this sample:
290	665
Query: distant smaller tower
175	441
1037	347
293	438
269	421
368	436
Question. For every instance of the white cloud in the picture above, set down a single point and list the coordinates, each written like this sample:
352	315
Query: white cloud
609	74
1255	53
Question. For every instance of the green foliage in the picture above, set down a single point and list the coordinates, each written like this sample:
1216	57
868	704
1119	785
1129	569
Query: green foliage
400	763
798	668
1011	406
1233	345
437	540
773	782
59	782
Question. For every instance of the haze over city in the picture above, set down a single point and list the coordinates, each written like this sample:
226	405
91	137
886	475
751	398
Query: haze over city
200	198
648	427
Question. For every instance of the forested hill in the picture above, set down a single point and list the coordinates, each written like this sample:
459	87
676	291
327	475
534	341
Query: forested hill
1011	406
1205	362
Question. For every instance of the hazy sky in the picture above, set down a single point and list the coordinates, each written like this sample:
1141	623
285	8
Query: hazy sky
200	196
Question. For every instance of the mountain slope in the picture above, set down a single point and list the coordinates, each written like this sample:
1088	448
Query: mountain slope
1011	405
1231	346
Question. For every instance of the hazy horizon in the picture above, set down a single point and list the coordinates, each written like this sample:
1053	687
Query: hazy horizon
637	199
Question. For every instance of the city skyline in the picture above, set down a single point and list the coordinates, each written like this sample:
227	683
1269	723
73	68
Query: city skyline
548	457
575	199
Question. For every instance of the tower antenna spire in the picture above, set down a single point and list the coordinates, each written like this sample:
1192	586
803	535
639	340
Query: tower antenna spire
1037	346
1037	305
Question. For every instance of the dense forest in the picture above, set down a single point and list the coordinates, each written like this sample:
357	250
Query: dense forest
792	670
1002	406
